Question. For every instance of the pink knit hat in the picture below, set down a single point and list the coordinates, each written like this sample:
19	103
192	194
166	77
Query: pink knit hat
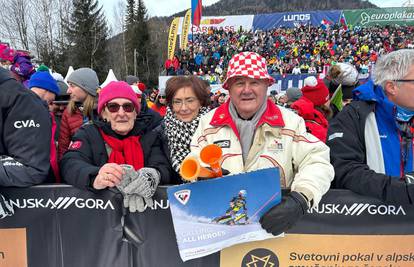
114	90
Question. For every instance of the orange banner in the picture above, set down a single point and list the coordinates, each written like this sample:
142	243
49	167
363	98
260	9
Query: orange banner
13	249
323	250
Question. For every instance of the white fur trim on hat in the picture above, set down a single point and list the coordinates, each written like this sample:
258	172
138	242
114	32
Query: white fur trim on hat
310	81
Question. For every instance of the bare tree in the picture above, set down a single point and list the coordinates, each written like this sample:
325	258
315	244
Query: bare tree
14	20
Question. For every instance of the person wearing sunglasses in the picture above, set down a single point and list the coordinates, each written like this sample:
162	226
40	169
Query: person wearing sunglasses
114	152
160	105
187	100
371	138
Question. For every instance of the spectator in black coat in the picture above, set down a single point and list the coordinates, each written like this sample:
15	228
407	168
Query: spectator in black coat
116	151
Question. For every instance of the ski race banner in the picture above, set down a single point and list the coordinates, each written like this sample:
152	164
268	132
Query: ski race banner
57	226
206	222
380	16
227	23
294	19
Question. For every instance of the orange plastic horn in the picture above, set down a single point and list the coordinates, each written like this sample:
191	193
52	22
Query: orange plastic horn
212	155
190	170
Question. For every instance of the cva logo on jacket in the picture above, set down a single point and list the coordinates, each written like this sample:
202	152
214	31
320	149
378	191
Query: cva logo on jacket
26	124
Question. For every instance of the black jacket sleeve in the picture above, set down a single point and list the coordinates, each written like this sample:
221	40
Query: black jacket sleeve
155	157
25	129
78	166
348	156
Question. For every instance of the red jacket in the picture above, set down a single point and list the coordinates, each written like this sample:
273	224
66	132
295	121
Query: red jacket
68	127
162	110
315	121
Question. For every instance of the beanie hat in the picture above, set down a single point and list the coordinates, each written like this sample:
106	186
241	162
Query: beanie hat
86	79
247	64
63	88
136	90
347	75
22	66
6	53
44	80
131	79
293	94
315	91
117	89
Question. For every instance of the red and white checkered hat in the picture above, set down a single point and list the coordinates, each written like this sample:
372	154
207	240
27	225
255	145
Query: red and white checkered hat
247	64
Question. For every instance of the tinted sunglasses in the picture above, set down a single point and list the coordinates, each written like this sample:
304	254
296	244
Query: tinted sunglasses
162	96
114	107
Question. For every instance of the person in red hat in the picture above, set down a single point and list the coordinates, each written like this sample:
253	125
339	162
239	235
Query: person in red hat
112	152
257	134
313	107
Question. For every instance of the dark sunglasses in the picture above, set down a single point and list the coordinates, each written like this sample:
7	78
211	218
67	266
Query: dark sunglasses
162	96
114	107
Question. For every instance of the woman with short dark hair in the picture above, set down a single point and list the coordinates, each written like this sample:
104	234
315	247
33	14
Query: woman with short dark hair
187	100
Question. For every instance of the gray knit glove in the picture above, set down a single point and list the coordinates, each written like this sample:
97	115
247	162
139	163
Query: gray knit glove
129	175
135	203
5	208
145	184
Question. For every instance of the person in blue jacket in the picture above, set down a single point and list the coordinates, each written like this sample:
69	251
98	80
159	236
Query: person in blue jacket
371	139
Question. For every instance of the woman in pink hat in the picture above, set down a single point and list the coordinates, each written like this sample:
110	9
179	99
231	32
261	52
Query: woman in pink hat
113	152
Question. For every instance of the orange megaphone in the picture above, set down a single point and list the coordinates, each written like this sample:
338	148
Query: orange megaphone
190	170
212	155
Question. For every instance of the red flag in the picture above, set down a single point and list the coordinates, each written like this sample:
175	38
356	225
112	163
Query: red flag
196	6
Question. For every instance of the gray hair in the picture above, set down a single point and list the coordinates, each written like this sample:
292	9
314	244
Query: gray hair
393	66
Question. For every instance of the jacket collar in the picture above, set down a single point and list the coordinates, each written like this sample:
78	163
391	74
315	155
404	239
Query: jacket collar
271	116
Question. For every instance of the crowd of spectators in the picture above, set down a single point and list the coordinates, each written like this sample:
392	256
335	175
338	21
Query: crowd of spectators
305	49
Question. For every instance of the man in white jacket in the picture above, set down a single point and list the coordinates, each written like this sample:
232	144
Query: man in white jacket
254	134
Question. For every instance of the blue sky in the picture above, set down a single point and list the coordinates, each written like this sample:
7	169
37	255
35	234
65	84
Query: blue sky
169	7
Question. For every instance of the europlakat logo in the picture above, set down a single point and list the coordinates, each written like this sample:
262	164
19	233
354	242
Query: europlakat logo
183	196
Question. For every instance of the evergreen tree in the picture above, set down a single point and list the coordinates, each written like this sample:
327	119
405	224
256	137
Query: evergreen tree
138	40
87	33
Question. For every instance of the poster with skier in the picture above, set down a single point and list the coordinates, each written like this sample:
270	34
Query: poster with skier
213	214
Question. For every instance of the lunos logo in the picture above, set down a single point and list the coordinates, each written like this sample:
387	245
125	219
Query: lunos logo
357	209
297	17
26	124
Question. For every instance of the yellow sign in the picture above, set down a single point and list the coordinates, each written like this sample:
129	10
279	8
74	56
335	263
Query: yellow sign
13	248
185	27
323	250
172	37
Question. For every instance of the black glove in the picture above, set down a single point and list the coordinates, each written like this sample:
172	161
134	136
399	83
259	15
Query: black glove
283	216
400	191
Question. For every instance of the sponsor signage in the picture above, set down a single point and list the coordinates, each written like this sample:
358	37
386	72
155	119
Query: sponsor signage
383	16
64	226
323	250
227	23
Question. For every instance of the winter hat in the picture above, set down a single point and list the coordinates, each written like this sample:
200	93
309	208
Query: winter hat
22	66
293	94
6	53
117	89
247	64
63	89
315	90
347	74
131	79
86	79
136	90
43	79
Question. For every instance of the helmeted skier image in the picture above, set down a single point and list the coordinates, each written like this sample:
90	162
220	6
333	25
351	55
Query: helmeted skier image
237	212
